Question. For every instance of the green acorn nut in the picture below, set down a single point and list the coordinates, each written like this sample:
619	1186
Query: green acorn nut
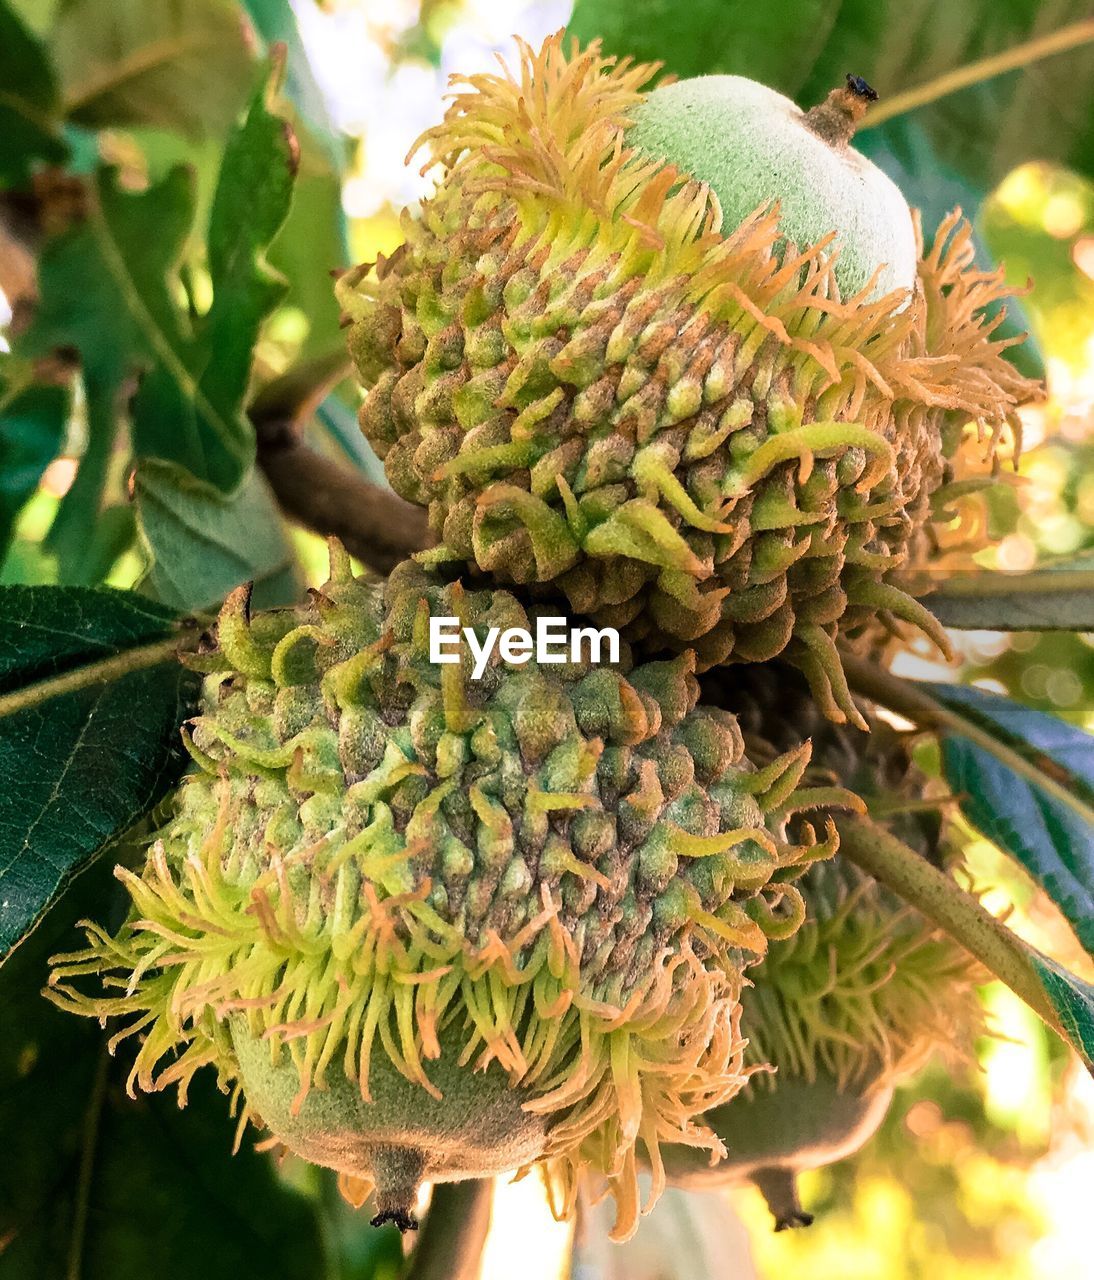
625	356
752	145
435	927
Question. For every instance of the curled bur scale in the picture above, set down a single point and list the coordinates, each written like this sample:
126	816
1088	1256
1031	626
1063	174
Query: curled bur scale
431	928
682	356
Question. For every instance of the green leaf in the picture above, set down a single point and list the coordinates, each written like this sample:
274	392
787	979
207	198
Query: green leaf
1073	1000
202	544
109	288
311	245
1057	599
276	23
130	62
91	699
1044	815
101	1186
45	632
106	290
32	427
252	200
29	118
313	241
1043	111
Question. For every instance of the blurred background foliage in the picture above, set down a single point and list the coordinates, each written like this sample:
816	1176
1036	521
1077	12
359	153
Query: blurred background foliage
985	1174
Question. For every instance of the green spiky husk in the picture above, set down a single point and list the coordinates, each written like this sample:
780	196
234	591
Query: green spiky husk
597	389
862	995
865	969
565	868
866	991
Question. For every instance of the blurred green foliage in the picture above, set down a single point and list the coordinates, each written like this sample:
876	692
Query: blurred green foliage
110	99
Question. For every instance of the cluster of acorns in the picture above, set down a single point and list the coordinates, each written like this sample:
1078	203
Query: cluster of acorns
673	362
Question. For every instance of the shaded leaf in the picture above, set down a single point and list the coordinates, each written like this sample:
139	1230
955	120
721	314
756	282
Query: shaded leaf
45	632
102	1186
109	289
311	245
1058	599
1073	1000
29	117
805	47
87	746
313	241
202	544
106	291
130	62
1047	825
32	427
252	200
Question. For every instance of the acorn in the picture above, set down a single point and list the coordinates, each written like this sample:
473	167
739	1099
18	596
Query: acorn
442	920
679	355
858	999
856	1002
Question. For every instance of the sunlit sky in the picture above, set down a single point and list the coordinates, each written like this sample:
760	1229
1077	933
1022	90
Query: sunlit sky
387	108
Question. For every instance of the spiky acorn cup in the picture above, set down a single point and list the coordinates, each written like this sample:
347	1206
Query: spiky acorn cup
437	927
696	430
862	995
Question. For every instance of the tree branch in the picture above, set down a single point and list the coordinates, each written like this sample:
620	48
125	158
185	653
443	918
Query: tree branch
903	697
373	523
451	1239
1041	600
1021	55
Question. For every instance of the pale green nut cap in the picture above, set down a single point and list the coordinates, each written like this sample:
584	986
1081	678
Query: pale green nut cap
753	146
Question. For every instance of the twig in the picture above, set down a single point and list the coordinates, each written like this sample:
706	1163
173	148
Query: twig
451	1239
990	584
1043	600
121	664
373	523
1021	55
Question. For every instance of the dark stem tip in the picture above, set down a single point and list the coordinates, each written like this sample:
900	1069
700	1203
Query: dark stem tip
402	1218
800	1219
860	88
